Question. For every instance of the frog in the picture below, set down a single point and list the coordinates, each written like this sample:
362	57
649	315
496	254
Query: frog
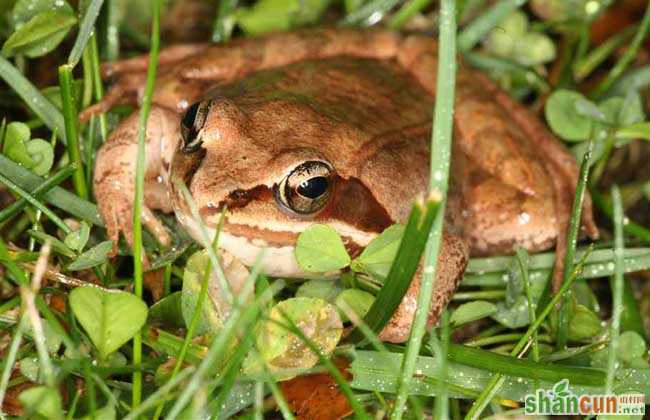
330	126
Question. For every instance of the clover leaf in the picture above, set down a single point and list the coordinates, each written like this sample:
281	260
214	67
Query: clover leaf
564	118
320	249
34	154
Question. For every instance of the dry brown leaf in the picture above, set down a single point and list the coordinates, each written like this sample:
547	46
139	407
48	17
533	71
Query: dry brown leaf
318	396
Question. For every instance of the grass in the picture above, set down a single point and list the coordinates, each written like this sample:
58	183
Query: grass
438	180
163	371
72	130
617	295
138	250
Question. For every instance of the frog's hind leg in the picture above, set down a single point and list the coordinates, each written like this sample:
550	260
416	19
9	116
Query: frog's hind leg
167	57
120	93
115	167
506	141
130	76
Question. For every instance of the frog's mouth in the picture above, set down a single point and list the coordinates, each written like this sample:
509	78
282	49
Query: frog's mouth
256	213
275	259
255	222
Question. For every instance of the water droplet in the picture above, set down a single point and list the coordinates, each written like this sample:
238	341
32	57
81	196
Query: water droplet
523	218
592	7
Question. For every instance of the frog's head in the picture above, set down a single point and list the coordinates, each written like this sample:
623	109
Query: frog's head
277	168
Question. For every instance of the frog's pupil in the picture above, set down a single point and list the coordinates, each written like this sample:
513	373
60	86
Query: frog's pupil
313	187
188	128
190	116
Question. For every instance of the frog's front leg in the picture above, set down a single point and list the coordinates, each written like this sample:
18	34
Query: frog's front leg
452	260
115	168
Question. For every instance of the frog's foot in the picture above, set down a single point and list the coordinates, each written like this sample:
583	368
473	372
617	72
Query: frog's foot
452	260
114	191
125	91
114	179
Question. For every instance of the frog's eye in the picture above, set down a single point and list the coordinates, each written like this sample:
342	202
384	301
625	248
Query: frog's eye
191	125
307	188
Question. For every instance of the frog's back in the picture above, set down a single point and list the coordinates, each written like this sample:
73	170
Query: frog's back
354	100
369	118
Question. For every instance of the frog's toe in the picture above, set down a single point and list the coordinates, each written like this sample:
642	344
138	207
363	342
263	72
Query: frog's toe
112	224
155	226
118	219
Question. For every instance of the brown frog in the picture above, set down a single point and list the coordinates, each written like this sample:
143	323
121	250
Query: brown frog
333	127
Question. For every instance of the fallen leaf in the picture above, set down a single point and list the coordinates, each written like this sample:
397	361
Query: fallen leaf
318	396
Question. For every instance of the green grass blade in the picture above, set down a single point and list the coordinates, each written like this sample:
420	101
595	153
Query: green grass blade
438	180
203	293
217	351
225	21
369	12
401	271
21	277
617	290
406	11
46	186
635	79
587	64
522	261
232	371
85	30
160	394
359	412
72	129
475	31
33	98
216	266
113	20
497	380
604	258
373	371
631	319
98	86
571	244
138	248
630	227
34	202
11	355
627	57
491	63
57	196
523	368
442	397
